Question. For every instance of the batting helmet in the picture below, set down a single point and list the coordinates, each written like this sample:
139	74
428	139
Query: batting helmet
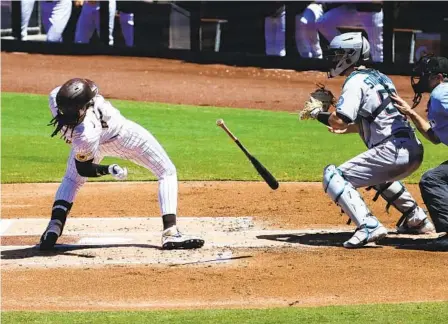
346	50
72	97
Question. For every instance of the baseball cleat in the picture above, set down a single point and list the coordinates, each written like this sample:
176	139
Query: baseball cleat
173	239
366	234
425	227
51	235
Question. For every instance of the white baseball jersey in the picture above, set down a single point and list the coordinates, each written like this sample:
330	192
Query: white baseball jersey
362	93
105	132
102	123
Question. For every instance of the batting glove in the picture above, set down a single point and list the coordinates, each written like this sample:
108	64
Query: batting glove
118	172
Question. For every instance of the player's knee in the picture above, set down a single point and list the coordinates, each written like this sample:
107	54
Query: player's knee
75	182
429	177
169	171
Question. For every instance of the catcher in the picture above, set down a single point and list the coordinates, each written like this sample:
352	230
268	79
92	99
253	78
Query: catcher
394	152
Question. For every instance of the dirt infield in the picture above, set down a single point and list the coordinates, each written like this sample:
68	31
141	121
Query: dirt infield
287	262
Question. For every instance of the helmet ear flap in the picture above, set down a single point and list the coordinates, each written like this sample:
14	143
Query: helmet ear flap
365	49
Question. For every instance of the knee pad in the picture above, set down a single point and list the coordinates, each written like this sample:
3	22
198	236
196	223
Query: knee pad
334	177
345	195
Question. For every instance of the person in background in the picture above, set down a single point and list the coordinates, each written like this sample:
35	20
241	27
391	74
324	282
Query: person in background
55	16
274	31
368	16
126	16
307	36
89	21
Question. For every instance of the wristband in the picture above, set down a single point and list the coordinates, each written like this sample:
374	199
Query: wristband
323	117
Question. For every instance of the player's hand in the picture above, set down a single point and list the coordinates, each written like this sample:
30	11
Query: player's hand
118	172
352	128
337	131
79	3
401	105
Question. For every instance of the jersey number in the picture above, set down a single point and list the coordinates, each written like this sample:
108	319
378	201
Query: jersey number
390	109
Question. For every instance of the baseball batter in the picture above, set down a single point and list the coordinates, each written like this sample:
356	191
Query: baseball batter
394	152
96	129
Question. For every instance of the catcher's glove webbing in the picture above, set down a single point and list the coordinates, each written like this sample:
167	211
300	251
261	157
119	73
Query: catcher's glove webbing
320	100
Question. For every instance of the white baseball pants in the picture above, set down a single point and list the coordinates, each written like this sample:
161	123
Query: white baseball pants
134	143
388	162
55	16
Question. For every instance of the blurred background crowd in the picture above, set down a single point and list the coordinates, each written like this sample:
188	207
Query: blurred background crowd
276	28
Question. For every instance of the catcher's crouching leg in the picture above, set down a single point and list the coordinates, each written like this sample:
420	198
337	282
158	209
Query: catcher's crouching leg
414	220
59	214
369	229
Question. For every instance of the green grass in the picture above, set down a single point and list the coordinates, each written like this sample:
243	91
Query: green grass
385	313
292	150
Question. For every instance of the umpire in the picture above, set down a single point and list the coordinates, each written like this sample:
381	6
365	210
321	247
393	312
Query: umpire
431	75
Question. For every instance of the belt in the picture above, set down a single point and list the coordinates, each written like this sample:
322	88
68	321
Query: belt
399	134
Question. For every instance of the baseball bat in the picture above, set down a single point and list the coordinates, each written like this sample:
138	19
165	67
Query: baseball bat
262	171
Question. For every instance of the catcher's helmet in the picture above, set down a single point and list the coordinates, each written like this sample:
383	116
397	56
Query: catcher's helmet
346	50
426	66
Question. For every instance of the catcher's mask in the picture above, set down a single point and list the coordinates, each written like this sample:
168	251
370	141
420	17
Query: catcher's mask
346	50
425	68
72	100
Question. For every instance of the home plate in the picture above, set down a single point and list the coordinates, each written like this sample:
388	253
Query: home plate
90	242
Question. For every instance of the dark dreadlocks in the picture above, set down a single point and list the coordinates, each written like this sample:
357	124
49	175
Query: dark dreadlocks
73	96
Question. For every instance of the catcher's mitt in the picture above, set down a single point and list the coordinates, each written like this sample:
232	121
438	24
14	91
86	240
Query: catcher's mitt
320	99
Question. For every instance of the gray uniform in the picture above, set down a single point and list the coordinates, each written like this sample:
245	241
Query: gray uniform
394	152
